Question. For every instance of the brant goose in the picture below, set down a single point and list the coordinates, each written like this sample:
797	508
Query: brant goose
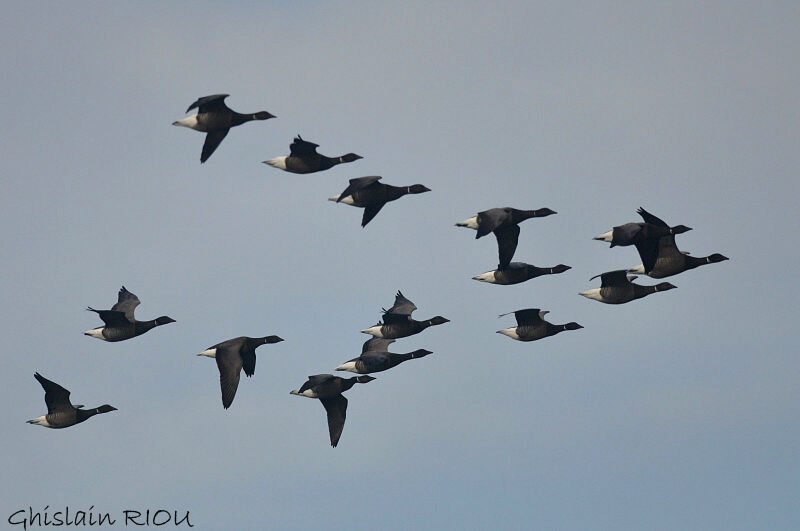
668	260
375	357
641	233
532	326
119	320
216	119
232	356
397	321
616	288
504	222
517	272
328	389
304	158
60	411
368	193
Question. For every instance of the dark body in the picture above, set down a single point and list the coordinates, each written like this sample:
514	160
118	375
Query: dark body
60	411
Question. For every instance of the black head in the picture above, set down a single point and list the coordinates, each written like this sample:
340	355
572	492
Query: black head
418	189
263	115
350	157
164	320
105	408
560	268
364	379
272	339
716	257
664	286
540	213
439	320
572	326
421	352
680	229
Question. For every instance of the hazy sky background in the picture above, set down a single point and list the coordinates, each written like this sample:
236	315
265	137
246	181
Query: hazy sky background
676	411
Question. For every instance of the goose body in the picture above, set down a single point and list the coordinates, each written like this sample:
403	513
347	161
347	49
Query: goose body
303	158
532	326
517	272
639	233
216	119
328	389
397	321
120	323
375	357
504	223
669	260
368	193
617	288
232	356
60	411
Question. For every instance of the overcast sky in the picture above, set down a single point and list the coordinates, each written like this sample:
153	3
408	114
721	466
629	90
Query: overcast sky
676	411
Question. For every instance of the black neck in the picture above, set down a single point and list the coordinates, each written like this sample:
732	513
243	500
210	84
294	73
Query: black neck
83	414
144	326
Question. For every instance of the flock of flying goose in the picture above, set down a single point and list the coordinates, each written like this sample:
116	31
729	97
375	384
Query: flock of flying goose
653	239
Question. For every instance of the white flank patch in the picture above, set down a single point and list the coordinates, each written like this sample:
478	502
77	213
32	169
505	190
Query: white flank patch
348	366
40	421
373	330
95	332
486	277
347	200
189	121
471	223
510	332
592	294
638	270
308	392
211	353
606	236
277	162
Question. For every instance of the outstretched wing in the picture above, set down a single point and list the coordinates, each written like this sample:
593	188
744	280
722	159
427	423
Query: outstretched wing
213	140
402	306
370	211
490	220
316	380
55	396
507	239
111	318
300	147
529	316
229	364
357	184
376	344
126	303
336	406
618	277
213	103
650	218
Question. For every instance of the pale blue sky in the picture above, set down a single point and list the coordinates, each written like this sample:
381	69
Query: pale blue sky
673	412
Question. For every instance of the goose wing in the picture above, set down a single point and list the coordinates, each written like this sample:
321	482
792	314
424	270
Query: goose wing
402	306
650	218
300	147
126	303
618	277
336	407
370	211
357	184
376	344
316	380
55	396
507	239
213	140
229	363
213	103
